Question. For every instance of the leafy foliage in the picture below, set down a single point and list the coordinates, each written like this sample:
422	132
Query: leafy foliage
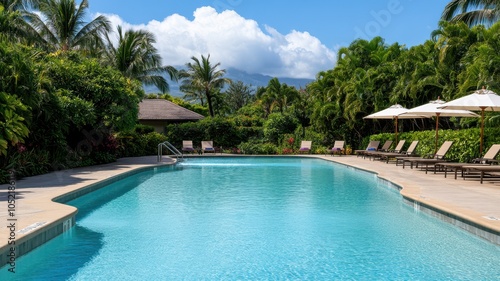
114	99
225	132
132	144
61	26
277	125
237	96
258	148
13	129
465	142
136	57
472	12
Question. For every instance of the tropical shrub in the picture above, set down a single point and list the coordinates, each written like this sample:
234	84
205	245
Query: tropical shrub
113	98
18	93
224	132
13	128
26	163
277	125
143	129
257	147
132	144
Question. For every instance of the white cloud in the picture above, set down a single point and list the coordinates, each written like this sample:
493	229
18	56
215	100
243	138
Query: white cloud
236	42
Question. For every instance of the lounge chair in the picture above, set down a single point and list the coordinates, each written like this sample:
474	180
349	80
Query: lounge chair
410	152
338	148
379	154
486	160
187	146
372	146
484	170
305	146
489	156
438	157
207	146
384	148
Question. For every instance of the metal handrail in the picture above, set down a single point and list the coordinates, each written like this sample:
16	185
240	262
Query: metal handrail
170	147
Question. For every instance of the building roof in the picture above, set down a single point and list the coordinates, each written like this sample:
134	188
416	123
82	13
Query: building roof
164	110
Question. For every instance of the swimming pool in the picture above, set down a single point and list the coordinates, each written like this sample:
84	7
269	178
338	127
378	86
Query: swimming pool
256	218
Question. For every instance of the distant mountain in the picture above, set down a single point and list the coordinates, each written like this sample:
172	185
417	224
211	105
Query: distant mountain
234	74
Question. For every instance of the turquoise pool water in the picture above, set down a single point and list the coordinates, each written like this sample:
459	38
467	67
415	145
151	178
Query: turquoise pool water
256	219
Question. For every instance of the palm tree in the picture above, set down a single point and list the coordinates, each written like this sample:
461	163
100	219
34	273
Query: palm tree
192	94
61	25
481	63
13	27
137	58
264	100
203	77
472	12
11	5
281	94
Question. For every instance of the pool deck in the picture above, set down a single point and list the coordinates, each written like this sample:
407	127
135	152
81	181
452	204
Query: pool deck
35	218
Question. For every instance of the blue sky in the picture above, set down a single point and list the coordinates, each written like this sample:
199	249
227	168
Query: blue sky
278	38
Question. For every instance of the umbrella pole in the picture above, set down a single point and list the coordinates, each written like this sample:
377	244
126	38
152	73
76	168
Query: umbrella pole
437	133
396	129
482	133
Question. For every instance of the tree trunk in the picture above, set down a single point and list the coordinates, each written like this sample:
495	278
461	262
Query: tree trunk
209	102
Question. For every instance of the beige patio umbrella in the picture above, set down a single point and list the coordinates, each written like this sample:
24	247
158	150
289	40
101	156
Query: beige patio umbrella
432	109
393	112
481	100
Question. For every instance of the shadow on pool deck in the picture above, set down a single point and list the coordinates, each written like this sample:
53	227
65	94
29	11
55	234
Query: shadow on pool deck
456	201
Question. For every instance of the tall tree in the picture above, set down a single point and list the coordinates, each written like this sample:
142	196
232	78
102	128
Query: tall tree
472	12
264	100
61	26
238	95
276	95
193	94
282	94
202	76
454	40
302	109
137	58
12	5
13	27
482	63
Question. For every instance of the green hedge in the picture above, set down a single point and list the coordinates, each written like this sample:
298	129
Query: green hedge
224	132
253	147
465	142
133	144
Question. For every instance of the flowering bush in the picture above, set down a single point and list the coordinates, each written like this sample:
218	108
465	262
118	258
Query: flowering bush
21	148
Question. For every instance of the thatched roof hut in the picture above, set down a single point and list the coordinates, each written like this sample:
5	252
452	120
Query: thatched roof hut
160	112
